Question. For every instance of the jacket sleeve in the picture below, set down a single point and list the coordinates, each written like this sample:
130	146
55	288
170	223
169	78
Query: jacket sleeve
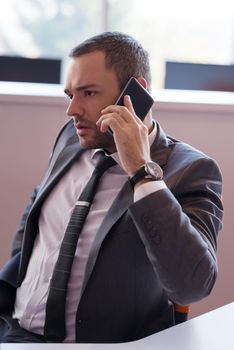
179	228
9	272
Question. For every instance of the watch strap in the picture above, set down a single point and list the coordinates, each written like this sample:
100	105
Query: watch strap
139	175
150	171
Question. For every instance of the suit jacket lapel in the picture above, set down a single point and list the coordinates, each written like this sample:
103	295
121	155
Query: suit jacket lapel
118	208
160	148
59	167
62	159
63	156
159	153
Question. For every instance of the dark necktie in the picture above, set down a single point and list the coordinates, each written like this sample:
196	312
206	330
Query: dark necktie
54	330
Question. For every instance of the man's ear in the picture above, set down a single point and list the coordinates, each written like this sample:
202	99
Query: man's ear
143	82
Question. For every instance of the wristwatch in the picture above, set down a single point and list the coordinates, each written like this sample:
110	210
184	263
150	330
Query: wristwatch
150	170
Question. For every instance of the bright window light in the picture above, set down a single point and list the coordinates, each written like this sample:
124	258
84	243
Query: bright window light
200	31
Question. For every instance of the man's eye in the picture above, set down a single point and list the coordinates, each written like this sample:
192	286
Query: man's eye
89	93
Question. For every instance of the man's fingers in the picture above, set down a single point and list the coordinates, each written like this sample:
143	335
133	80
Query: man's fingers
128	104
125	112
108	121
118	111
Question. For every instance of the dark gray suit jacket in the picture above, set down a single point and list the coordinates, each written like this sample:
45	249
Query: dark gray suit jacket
145	254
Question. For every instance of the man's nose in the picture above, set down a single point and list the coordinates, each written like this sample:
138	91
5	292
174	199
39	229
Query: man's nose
74	107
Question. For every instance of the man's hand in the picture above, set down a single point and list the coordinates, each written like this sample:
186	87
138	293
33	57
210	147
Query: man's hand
130	135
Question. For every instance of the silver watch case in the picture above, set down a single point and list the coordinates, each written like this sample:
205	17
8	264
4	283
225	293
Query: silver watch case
153	171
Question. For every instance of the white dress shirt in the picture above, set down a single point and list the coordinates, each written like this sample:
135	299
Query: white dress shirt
32	295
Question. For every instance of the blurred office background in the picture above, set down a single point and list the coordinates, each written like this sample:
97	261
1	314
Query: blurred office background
200	31
178	34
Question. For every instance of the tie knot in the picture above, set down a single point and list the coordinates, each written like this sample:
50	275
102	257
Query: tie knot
104	163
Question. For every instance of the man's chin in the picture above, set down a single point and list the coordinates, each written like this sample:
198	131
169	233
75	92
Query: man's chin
105	143
87	145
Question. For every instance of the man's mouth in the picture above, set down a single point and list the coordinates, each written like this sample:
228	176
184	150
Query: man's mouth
81	128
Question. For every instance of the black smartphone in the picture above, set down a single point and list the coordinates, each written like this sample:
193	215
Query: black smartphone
142	101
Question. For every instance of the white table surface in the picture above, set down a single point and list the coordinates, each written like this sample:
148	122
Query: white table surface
211	331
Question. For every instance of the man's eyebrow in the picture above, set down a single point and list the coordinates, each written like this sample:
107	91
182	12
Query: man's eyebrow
81	88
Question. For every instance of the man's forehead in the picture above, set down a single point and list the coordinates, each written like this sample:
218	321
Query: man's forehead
93	59
89	69
89	64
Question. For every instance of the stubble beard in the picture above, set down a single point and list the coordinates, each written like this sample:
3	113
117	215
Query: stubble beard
101	140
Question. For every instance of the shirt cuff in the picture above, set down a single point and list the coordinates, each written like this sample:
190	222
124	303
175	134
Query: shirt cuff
148	188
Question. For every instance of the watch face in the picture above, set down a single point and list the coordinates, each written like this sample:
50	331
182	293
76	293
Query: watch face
154	170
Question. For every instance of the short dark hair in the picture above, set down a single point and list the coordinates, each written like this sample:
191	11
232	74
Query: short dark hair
124	54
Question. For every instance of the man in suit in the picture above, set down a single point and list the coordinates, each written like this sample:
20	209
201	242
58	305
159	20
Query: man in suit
149	240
